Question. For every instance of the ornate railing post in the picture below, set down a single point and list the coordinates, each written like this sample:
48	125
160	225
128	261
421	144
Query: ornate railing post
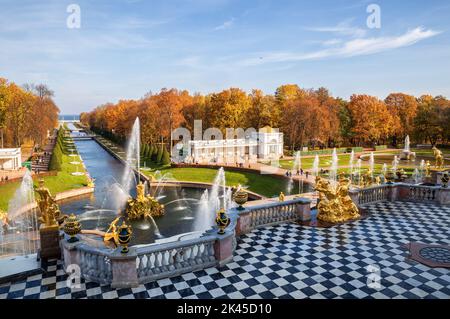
223	247
70	253
443	196
304	210
124	270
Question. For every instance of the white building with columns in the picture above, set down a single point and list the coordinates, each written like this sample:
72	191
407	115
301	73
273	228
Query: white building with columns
10	159
267	144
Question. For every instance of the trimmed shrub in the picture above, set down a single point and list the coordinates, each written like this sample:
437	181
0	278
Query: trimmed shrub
154	156
165	157
159	155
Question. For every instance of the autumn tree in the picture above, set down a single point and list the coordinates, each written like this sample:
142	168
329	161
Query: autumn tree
403	109
371	120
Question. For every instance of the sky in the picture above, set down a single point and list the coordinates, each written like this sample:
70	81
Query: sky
124	49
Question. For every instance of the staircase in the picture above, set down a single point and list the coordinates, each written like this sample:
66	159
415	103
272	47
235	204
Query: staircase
42	165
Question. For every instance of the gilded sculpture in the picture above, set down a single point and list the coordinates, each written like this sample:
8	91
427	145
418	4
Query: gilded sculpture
335	204
112	234
50	213
439	158
143	206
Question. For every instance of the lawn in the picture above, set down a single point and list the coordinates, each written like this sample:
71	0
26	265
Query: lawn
262	184
56	184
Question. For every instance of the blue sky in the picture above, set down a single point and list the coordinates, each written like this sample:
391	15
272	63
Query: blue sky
127	48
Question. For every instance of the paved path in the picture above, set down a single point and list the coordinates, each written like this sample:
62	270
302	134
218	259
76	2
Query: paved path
292	261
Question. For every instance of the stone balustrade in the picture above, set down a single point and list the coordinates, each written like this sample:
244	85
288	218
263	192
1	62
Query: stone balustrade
401	192
148	263
171	259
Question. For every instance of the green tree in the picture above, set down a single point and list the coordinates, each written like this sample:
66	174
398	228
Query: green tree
165	160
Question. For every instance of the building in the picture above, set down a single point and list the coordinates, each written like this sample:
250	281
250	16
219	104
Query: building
267	144
10	159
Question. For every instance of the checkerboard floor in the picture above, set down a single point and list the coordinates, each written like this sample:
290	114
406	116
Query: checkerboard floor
292	261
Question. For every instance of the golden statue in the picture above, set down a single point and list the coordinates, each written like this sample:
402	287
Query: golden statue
335	204
281	197
428	169
112	234
439	157
4	218
143	206
378	180
50	213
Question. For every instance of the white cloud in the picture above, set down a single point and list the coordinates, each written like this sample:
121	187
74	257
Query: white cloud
227	24
355	47
343	28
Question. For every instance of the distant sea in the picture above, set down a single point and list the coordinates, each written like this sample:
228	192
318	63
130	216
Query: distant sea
69	117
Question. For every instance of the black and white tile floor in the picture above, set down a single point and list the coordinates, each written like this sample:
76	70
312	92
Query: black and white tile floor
291	261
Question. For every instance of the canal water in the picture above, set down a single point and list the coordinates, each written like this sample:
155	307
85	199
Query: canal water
182	213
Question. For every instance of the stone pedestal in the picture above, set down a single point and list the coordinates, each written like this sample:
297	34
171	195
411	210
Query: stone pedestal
223	248
70	253
443	196
49	237
124	270
243	224
304	211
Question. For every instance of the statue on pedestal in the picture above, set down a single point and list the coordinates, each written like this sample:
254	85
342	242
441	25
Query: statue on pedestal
439	157
50	213
143	206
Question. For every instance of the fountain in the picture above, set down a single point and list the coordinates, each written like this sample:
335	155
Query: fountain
133	156
406	154
359	171
395	163
143	206
211	201
20	224
351	163
315	168
371	165
297	166
334	167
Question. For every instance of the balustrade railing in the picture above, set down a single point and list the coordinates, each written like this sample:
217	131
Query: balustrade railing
171	259
373	195
423	193
95	264
273	213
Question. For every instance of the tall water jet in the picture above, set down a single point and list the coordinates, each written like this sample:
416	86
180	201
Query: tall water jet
395	163
334	167
133	157
211	201
359	168
372	164
315	168
416	175
23	221
407	148
351	164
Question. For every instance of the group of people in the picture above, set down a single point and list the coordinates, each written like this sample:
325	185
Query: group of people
300	172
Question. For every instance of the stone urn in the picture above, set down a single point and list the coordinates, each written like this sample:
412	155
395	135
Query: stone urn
240	197
124	236
389	177
222	221
72	227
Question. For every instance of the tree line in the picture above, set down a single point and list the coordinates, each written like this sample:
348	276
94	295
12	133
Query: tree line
307	117
26	113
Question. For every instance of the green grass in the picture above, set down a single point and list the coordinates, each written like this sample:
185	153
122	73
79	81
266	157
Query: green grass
324	161
262	184
56	184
